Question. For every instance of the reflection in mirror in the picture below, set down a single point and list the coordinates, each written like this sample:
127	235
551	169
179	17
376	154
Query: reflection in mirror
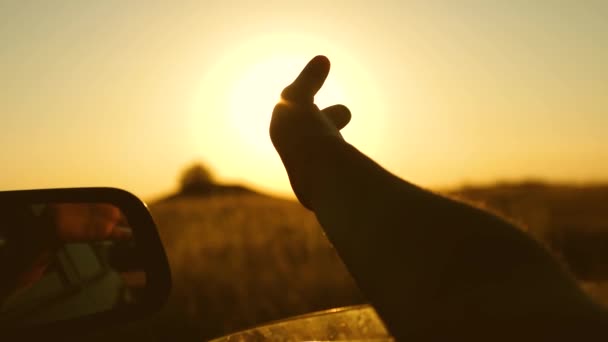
64	260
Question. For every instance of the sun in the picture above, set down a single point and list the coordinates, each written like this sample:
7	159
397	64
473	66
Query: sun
257	91
262	67
234	104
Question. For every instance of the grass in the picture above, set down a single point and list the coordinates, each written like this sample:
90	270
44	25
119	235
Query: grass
239	260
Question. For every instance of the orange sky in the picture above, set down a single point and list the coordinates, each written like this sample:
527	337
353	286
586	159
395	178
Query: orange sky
127	95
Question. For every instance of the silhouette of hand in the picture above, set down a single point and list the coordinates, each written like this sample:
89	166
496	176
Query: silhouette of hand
296	121
299	130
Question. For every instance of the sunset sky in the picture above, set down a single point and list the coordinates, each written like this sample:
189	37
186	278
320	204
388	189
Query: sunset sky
128	93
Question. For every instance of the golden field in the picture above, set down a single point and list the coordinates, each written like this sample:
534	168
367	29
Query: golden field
240	259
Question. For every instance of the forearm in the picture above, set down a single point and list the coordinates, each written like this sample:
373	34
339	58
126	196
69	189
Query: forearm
420	257
28	246
424	261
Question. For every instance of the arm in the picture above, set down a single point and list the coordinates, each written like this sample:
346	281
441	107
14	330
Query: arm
27	246
31	237
424	261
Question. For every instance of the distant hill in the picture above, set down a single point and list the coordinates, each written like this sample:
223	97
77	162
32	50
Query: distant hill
197	181
209	190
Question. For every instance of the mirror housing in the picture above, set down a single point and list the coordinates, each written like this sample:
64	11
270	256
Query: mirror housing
139	282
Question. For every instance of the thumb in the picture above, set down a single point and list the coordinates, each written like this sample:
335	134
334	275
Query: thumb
302	91
339	115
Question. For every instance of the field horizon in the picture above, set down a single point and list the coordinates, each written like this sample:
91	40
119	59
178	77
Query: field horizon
240	258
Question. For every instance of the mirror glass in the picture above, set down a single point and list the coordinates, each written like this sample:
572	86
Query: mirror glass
64	260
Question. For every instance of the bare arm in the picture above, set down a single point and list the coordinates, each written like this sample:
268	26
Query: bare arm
429	265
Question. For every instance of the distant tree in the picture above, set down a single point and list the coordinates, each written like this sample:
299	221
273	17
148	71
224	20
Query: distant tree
196	179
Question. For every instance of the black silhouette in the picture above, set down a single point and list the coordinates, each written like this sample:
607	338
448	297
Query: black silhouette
432	267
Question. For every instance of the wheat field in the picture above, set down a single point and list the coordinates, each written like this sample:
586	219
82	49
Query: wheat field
242	259
245	259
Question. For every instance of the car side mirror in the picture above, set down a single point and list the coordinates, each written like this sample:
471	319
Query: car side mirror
72	260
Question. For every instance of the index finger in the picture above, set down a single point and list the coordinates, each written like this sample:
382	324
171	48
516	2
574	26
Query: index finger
308	83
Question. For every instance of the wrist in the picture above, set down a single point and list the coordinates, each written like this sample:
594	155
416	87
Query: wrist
309	164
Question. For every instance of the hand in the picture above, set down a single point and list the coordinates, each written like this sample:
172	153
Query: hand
298	128
84	222
297	121
70	222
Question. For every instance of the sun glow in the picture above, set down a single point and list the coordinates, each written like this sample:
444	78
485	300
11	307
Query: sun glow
257	91
244	86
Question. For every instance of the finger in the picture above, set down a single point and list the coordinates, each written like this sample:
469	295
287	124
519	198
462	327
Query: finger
108	211
120	233
308	83
339	115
